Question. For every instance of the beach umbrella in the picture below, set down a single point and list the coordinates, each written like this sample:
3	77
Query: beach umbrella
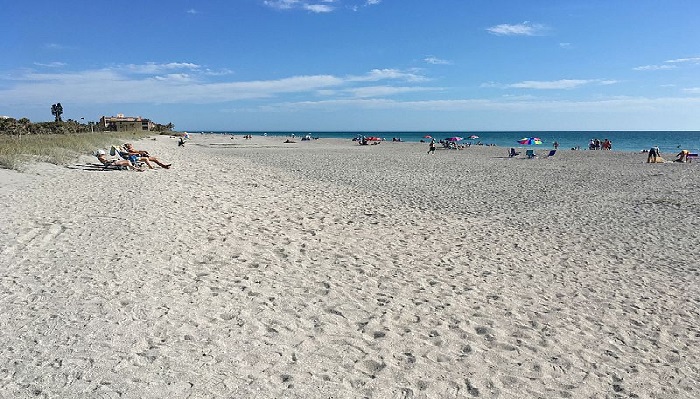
473	137
530	140
454	139
427	136
373	138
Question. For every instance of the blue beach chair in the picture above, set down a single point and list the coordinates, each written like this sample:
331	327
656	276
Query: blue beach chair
530	154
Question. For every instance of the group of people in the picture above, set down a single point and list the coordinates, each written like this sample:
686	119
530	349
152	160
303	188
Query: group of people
596	144
130	158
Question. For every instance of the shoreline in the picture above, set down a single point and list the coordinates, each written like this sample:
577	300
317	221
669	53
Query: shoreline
692	144
326	268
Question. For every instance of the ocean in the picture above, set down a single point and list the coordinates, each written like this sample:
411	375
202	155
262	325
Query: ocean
626	141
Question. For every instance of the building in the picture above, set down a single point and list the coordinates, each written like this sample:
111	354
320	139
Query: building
121	123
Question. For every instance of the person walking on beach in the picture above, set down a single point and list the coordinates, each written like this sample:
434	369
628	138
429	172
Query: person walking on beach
431	147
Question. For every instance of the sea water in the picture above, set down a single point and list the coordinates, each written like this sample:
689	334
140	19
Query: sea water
627	141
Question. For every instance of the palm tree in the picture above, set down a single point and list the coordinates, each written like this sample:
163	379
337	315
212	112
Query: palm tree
57	111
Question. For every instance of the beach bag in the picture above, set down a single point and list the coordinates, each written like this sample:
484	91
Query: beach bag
112	151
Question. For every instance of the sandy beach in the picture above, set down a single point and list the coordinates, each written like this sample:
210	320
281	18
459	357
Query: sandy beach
325	269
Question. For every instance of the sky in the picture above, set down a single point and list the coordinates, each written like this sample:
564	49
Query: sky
356	65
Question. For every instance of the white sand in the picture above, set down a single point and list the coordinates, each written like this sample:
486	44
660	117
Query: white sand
324	269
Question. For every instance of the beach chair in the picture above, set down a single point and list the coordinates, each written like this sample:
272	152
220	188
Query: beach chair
551	153
530	154
512	153
108	164
691	156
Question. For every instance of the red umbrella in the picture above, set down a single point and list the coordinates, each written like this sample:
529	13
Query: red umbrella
373	138
427	136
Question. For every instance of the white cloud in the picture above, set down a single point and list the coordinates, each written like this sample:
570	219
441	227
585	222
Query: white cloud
562	84
54	64
318	8
654	67
282	4
55	46
182	82
524	29
565	45
383	91
381	74
174	77
152	67
299	4
609	105
693	60
692	90
436	61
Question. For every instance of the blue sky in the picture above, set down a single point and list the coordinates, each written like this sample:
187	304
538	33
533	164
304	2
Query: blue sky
328	65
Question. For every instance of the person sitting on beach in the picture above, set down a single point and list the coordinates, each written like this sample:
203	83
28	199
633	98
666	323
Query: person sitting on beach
124	163
128	152
682	156
181	142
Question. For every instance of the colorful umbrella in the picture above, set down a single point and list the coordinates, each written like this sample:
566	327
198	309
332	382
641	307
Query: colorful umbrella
454	139
530	140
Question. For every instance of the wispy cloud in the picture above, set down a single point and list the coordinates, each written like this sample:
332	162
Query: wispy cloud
692	90
54	64
669	64
55	46
324	6
192	11
319	6
183	82
152	67
654	67
394	74
608	105
692	60
384	91
562	84
524	29
436	61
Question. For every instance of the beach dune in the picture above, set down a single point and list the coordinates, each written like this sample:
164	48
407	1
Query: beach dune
325	269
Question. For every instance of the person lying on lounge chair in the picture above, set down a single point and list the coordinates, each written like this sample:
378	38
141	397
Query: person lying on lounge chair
121	163
128	152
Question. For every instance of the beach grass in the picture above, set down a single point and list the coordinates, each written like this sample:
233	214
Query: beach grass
58	149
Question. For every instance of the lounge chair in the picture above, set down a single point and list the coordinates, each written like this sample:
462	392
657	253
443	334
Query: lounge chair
113	164
512	153
530	154
551	153
691	156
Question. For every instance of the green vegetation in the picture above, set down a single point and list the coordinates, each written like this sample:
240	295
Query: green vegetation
60	143
59	149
